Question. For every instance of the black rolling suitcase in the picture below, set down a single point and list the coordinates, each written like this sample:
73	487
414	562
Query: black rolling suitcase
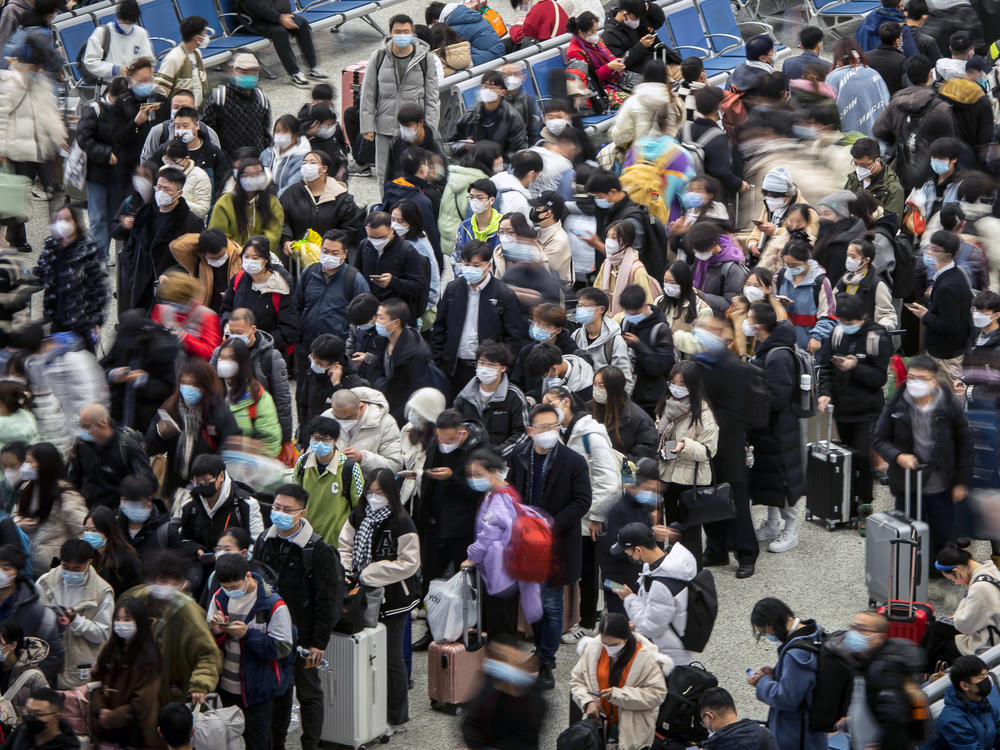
830	479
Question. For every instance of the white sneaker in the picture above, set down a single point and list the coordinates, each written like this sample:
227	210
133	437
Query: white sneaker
767	531
786	540
419	613
575	633
394	729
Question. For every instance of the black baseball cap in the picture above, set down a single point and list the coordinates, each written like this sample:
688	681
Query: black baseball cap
550	199
978	62
631	535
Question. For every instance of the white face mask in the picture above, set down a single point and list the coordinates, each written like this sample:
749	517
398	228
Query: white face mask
918	388
487	375
282	140
330	262
125	630
707	255
162	591
546	440
594	38
613	651
981	320
600	395
448	447
253	266
325	133
217	262
753	294
488	96
379	243
632	23
408	134
478	206
400	228
853	265
611	246
774	204
346	425
376	501
163	198
309	171
748	329
863	173
678	391
253	184
227	368
513	83
672	290
185	135
62	229
557	126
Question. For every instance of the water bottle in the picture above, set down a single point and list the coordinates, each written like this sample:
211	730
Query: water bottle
805	390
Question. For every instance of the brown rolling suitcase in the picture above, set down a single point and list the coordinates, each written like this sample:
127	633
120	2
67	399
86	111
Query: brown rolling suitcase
455	670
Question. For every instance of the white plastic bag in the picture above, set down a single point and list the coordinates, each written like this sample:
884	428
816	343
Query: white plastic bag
450	608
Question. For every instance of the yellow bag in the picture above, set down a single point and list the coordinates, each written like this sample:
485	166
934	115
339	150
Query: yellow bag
307	249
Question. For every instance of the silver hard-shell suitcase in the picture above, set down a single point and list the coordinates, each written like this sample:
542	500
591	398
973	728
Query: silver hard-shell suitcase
355	687
884	527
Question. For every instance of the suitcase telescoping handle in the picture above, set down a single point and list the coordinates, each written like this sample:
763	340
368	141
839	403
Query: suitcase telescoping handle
476	583
907	504
829	425
894	562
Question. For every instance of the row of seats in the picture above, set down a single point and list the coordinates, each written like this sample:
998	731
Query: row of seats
229	27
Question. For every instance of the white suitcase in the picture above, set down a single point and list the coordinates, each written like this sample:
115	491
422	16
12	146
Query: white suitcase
355	687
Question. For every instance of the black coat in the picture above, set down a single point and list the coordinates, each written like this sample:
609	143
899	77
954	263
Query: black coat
129	138
123	574
150	540
948	322
146	256
428	200
313	395
719	371
315	596
953	446
401	596
565	495
624	42
203	530
564	343
718	155
618	567
653	356
303	213
447	507
404	262
96	134
890	63
281	320
75	281
499	319
636	435
431	143
857	393
405	372
244	121
497	719
21	739
96	470
777	477
503	418
143	345
508	132
831	245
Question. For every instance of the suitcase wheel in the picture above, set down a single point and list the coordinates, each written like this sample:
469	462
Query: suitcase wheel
831	526
809	516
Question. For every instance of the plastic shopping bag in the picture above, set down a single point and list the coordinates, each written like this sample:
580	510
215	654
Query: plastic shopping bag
450	608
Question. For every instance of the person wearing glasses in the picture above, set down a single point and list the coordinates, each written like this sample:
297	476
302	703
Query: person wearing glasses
42	727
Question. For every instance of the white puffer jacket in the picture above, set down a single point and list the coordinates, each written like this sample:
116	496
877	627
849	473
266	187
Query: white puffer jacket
376	434
31	127
604	466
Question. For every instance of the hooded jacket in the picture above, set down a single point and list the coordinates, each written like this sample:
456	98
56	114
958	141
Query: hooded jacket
885	186
777	477
972	113
656	612
861	96
813	304
31	126
188	256
722	276
608	342
285	166
977	616
376	434
333	209
504	415
30	657
24	608
637	115
470	25
258	419
867	33
638	699
965	725
454	202
909	110
857	393
589	438
382	92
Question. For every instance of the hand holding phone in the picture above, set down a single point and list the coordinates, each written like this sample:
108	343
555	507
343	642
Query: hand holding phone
613	586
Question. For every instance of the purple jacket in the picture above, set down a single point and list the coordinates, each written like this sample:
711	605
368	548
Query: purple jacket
494	523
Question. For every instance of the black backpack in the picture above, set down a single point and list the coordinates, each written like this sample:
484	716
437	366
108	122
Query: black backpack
702	608
678	720
902	281
834	682
583	735
86	76
655	245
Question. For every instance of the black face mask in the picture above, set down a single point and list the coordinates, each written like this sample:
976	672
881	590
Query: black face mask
984	688
33	725
535	214
586	204
206	489
799	234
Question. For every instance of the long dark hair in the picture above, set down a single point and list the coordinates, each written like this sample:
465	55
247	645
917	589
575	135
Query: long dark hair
771	613
241	200
206	379
411	215
386	479
691	374
244	380
610	413
140	654
116	545
681	272
51	473
482	156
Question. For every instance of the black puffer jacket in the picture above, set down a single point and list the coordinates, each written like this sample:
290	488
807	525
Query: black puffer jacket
96	136
857	393
128	137
313	396
281	320
624	42
652	357
503	416
777	477
335	209
244	119
75	281
508	132
636	435
405	372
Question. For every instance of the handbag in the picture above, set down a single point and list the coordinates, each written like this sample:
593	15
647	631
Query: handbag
707	503
15	195
361	608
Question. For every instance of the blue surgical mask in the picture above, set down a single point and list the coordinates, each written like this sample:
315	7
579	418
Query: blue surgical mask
856	641
245	81
190	393
94	539
635	318
142	90
472	274
240	337
647	497
538	333
381	330
134	511
284	521
851	329
479	484
365	326
235	593
693	200
402	40
73	578
84	435
930	262
504	672
320	448
940	166
773	638
585	315
602	202
707	340
804	132
794	271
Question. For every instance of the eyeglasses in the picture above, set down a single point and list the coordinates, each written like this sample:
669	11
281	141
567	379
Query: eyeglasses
285	509
539	428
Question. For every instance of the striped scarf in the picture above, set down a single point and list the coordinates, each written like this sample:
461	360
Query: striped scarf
363	538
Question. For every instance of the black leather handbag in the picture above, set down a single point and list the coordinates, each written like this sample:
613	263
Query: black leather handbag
707	503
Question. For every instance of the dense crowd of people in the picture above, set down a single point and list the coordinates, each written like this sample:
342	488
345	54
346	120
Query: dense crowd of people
619	335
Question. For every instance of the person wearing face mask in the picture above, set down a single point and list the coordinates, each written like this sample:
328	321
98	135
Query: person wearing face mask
19	660
555	479
284	158
513	186
475	308
977	616
968	718
400	362
718	270
211	259
413	133
490	399
510	709
726	730
493	120
183	66
253	627
548	211
145	525
655	611
478	163
380	547
632	431
811	305
310	580
369	434
85	603
194	420
319	123
12	455
924	425
602	68
861	280
393	266
943	184
756	288
202	142
520	96
128	667
599	336
197	185
238	110
17	423
622	267
787	688
400	71
650	342
872	175
194	325
484	222
114	560
251	208
189	656
976	385
43	726
637	116
251	404
112	46
779	191
688	438
329	371
266	289
138	193
621	675
20	601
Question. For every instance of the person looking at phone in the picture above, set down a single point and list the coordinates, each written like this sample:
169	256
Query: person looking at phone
603	68
631	36
621	676
779	191
654	609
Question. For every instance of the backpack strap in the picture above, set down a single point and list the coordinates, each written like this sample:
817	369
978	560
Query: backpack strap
19	683
307	553
346	478
609	349
162	533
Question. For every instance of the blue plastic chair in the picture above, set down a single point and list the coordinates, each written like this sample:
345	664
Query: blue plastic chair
160	16
541	68
73	34
832	8
469	91
104	14
220	44
685	28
